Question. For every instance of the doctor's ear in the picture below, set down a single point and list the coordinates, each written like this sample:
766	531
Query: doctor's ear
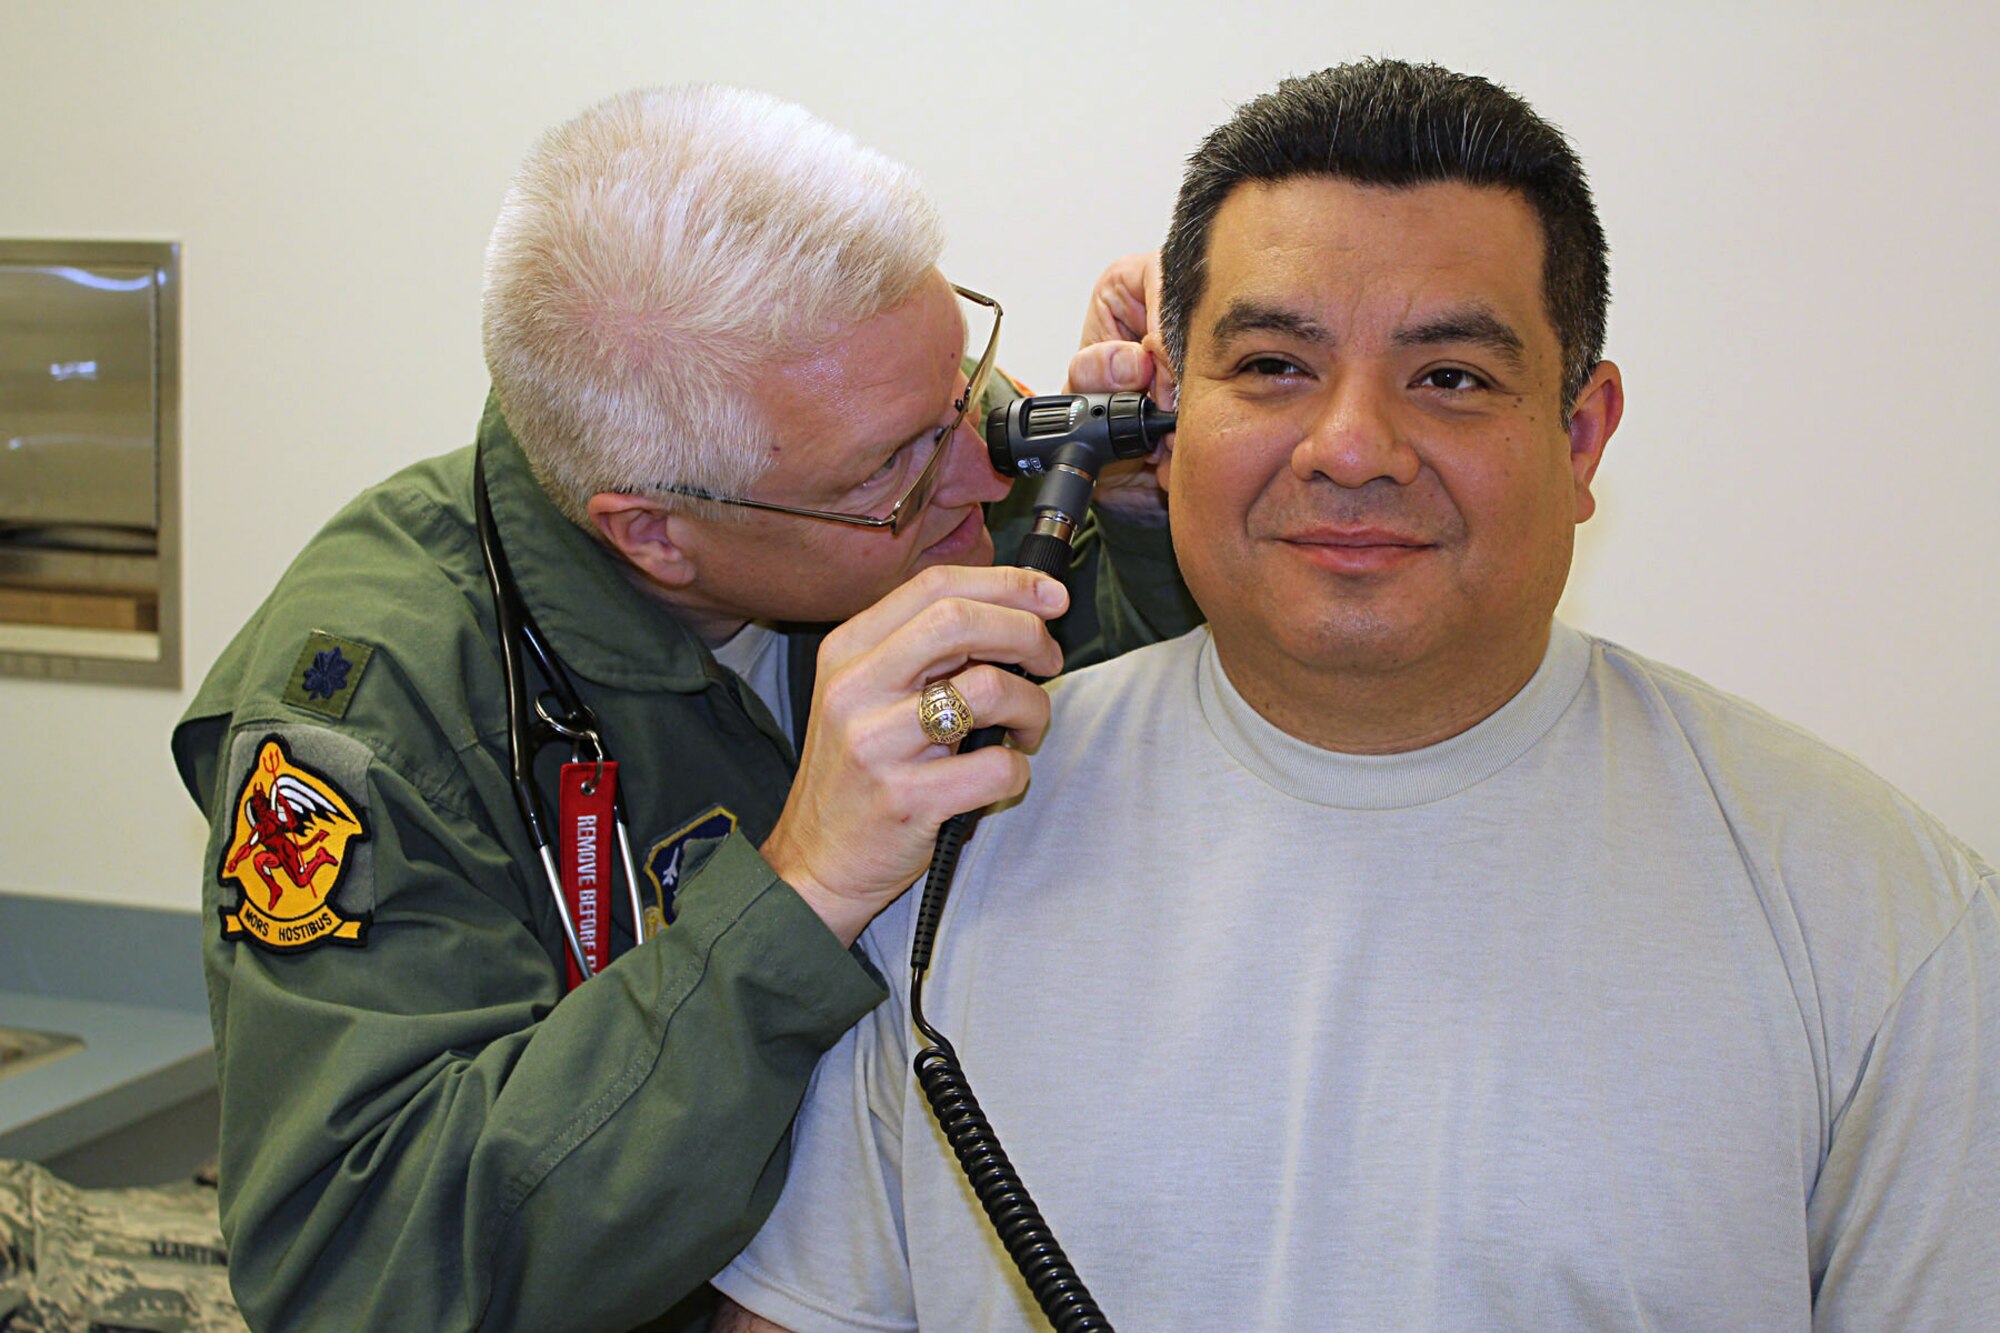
649	538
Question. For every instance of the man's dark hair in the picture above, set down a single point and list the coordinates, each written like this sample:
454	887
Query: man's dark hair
1386	122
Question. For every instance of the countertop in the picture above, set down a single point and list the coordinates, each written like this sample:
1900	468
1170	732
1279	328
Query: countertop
128	982
135	1060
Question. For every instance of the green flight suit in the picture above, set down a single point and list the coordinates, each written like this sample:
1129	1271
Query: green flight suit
415	1133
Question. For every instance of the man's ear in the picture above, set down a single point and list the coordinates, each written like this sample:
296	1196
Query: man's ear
1591	422
1166	388
651	539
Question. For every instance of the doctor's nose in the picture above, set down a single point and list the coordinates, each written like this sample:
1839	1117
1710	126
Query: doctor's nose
966	470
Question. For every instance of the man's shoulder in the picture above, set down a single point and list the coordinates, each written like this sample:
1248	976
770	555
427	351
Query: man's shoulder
1790	797
1860	887
1110	710
1728	728
424	510
380	608
390	570
1123	683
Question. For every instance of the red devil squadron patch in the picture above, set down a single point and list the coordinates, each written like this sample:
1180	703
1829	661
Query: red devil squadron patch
288	854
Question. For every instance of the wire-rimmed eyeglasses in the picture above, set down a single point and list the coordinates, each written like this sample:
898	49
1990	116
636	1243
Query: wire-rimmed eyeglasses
918	494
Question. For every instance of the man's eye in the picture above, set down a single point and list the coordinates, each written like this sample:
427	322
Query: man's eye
1271	366
884	472
1454	378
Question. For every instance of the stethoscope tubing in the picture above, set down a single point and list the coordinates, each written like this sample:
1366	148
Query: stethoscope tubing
517	627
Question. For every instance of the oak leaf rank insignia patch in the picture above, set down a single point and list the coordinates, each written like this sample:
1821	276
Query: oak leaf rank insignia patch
327	673
290	850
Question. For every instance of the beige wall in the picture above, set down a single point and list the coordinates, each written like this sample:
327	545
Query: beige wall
1801	505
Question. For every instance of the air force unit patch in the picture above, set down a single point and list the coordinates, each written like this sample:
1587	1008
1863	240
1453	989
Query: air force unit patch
290	849
667	857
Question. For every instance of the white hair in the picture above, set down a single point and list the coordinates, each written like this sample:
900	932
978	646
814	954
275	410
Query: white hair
656	250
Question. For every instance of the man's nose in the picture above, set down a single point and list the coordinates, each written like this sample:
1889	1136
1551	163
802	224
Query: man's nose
1355	436
967	475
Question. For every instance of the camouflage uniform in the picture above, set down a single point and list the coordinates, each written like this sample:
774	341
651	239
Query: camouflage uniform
94	1261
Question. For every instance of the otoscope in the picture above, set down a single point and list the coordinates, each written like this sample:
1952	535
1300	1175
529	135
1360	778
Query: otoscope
1065	439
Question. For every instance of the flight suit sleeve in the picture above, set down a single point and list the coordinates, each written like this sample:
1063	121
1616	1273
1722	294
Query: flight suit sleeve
420	1131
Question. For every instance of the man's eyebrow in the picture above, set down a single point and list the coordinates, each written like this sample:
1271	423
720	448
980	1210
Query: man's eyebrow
1476	325
1244	316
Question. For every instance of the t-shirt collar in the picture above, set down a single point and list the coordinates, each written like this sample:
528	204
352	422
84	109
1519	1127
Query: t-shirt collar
1387	781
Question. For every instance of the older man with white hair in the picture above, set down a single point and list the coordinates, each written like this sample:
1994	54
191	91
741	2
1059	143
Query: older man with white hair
474	1073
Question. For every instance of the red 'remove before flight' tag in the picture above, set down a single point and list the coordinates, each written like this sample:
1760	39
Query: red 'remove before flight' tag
584	829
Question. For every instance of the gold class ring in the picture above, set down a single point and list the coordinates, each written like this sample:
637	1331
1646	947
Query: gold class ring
945	715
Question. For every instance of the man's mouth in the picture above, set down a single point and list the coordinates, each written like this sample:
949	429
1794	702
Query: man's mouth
960	541
1356	549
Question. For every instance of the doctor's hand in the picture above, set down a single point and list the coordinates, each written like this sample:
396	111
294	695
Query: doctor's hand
872	789
1125	303
1122	349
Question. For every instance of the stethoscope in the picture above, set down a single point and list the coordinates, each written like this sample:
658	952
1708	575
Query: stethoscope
557	715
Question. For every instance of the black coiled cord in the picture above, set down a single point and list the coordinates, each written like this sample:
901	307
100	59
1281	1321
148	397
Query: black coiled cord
1030	1242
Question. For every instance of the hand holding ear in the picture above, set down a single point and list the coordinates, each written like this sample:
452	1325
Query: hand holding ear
1122	350
1125	303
